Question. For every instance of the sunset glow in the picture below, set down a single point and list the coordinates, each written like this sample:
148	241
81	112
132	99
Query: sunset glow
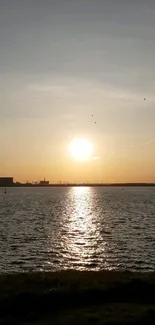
77	91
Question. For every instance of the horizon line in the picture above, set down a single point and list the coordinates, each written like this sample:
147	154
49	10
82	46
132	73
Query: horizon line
67	184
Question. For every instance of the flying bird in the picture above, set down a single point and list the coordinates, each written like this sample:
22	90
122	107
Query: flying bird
93	116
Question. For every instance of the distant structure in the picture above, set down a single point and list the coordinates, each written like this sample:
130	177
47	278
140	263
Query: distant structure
44	182
6	181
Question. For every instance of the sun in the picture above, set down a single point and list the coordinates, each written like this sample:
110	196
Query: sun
81	149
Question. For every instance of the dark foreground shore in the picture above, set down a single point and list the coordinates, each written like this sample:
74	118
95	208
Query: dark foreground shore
72	297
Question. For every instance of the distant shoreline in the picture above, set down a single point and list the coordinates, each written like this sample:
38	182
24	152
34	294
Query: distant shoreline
83	185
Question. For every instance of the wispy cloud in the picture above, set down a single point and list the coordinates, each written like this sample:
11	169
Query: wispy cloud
95	158
142	144
148	142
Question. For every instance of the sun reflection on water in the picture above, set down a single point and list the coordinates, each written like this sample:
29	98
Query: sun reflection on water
82	229
81	242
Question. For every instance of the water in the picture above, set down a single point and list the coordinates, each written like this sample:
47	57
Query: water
79	228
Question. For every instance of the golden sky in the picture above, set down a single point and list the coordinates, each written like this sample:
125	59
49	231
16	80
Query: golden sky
62	62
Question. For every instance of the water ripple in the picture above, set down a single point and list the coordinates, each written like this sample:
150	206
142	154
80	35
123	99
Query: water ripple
51	229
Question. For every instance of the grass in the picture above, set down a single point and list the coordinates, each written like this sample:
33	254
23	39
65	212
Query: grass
73	297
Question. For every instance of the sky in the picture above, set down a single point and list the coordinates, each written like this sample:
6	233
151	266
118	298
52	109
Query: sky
62	62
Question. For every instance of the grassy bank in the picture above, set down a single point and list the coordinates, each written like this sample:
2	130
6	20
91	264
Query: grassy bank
72	297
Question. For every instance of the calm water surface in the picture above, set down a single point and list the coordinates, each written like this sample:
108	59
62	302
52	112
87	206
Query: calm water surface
77	228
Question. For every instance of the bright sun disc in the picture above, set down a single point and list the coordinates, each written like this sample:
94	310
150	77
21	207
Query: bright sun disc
81	149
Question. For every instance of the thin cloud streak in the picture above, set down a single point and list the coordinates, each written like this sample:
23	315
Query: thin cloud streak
95	158
133	147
